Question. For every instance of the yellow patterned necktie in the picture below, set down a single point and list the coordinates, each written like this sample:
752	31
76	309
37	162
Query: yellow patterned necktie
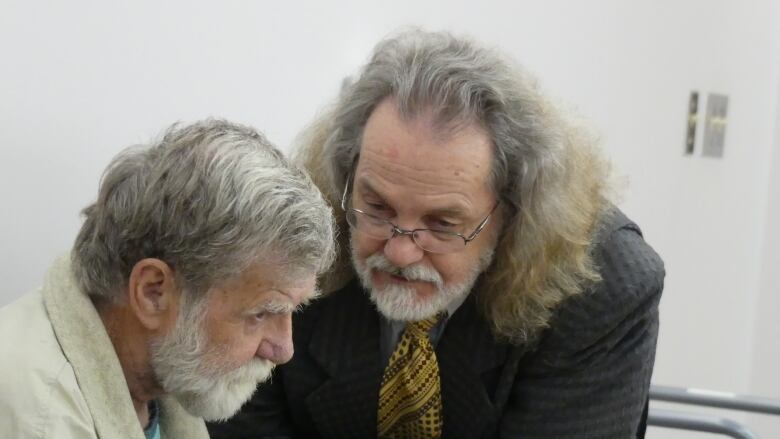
410	395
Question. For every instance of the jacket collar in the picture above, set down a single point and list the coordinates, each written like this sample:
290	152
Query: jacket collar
86	345
345	343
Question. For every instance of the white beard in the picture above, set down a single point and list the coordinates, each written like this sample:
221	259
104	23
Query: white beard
402	303
190	371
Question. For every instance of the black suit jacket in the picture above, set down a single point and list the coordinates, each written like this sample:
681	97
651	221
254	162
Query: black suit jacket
587	377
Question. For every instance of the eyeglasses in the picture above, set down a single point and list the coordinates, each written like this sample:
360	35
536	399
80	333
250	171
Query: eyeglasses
430	240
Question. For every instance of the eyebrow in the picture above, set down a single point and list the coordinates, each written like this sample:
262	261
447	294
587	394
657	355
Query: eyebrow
453	210
272	307
282	307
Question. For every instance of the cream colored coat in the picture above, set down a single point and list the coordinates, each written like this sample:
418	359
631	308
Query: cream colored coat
60	377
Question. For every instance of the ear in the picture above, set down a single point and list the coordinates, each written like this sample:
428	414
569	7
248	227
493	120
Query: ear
153	295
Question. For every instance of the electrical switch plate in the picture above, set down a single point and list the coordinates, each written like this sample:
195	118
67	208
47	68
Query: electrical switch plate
715	125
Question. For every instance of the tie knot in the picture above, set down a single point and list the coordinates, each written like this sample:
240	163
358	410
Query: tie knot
420	328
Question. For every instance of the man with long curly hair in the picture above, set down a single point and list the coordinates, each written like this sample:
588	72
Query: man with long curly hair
493	289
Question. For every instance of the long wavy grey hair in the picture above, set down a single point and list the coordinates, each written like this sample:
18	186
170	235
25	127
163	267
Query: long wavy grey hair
546	169
210	199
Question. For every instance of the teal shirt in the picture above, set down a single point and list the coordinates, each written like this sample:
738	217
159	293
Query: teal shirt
152	431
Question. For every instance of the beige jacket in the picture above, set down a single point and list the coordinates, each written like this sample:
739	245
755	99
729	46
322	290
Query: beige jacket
60	377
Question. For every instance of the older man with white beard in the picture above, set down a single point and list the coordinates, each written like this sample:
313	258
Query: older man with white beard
176	299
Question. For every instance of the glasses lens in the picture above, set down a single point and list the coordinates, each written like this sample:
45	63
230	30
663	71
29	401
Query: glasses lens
438	242
369	225
429	240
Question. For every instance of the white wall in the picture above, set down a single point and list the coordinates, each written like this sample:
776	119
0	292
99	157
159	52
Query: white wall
766	348
79	80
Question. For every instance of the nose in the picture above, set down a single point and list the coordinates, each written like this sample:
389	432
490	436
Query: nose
276	344
402	251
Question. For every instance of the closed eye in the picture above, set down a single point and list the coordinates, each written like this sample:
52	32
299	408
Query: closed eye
442	224
260	316
377	209
376	206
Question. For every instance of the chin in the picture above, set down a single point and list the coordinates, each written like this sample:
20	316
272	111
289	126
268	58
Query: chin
403	303
220	397
212	407
424	296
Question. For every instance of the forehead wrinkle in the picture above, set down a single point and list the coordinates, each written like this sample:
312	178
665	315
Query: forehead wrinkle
424	176
464	169
398	181
285	280
420	171
395	137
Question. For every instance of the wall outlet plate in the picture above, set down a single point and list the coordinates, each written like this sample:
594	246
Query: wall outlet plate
715	125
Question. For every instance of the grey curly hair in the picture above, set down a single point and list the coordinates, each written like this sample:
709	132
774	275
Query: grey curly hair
546	171
209	199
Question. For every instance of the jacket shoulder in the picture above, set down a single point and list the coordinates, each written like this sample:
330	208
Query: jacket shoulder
39	392
627	264
608	313
592	365
331	321
333	308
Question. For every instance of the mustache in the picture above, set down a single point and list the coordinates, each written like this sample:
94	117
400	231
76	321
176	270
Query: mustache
415	272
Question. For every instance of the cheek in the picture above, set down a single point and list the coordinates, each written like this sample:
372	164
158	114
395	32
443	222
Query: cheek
238	351
448	268
247	343
364	247
235	344
244	351
454	268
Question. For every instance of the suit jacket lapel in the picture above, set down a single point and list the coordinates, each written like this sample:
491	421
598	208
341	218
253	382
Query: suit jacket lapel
345	342
466	350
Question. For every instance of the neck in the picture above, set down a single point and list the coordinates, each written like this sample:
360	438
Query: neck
130	342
